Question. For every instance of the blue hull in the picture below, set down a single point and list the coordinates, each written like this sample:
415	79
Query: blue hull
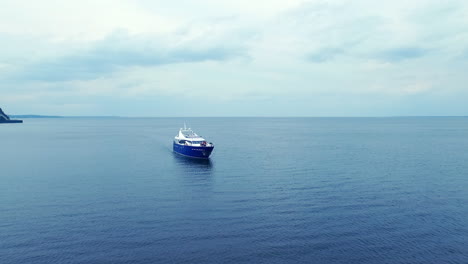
194	152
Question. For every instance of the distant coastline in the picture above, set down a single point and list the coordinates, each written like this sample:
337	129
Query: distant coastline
123	117
49	116
34	116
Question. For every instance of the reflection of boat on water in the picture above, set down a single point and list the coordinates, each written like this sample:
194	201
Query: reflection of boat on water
6	119
188	143
195	172
193	163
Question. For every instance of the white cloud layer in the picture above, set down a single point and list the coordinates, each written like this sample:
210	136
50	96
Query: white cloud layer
161	58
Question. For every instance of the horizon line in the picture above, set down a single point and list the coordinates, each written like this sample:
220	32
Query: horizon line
116	116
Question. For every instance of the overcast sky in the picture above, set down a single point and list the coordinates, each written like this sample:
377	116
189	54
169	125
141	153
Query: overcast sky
234	57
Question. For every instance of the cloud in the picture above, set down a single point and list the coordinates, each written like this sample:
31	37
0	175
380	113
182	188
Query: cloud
232	51
401	54
324	55
122	50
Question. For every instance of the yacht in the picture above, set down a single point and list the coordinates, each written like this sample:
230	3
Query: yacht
188	143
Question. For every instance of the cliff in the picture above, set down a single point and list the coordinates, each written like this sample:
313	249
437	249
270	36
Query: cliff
4	118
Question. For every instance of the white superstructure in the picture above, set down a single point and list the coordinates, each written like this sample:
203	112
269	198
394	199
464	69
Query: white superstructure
187	137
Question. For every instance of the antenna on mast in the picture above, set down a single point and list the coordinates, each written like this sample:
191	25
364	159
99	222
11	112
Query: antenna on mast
185	126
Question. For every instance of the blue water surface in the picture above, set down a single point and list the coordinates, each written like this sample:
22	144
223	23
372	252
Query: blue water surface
276	190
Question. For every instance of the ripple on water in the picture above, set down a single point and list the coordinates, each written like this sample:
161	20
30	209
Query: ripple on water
313	190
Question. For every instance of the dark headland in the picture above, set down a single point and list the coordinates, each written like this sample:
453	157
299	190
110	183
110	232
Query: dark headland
4	118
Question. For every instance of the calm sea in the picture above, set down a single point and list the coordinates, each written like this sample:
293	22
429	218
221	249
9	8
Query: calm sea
276	190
